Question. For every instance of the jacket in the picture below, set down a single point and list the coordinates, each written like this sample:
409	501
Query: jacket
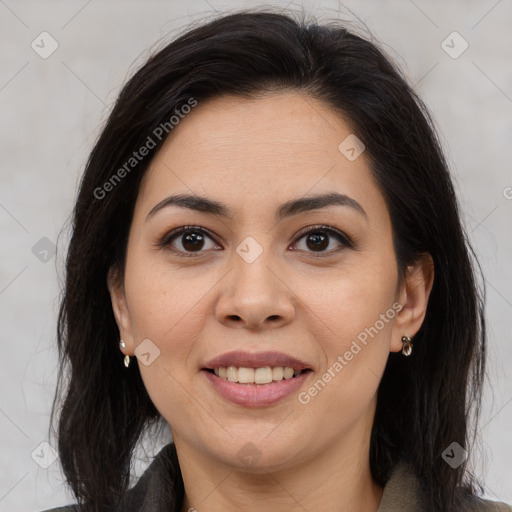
402	492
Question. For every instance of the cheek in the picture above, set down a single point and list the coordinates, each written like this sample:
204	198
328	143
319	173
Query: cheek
353	324
164	302
354	304
173	324
169	307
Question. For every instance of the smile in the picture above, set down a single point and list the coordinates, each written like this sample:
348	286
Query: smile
255	387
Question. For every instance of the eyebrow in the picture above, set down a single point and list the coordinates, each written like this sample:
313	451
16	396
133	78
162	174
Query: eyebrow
288	209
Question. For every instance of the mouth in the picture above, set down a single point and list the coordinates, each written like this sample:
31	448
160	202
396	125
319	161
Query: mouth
256	387
256	376
256	379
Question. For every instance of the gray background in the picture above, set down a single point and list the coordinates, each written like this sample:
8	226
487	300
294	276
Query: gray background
51	112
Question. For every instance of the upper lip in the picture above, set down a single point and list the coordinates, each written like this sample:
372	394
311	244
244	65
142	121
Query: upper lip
244	359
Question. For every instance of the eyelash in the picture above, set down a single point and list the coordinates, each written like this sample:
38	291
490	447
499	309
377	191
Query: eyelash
341	237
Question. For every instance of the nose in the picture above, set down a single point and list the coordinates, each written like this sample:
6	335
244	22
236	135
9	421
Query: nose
255	296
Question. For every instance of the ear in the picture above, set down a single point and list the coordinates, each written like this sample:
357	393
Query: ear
117	296
413	296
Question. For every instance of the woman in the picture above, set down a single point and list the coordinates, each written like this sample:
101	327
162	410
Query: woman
267	223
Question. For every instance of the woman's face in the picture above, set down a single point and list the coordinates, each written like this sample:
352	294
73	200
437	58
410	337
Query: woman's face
248	278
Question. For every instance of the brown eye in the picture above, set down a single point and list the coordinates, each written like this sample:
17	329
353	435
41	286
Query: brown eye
187	239
317	241
192	241
319	238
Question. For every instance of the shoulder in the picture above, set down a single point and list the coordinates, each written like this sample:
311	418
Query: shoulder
160	487
405	493
475	504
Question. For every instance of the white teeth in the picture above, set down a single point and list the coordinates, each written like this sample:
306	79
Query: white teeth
232	373
245	375
288	373
277	373
264	375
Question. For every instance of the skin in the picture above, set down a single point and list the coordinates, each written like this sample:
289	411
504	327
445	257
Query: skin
254	155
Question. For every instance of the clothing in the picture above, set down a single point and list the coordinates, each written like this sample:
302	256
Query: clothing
402	492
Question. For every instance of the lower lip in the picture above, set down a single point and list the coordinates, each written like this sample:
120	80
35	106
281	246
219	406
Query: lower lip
256	395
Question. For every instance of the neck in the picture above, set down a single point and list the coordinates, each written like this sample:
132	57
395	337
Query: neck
337	479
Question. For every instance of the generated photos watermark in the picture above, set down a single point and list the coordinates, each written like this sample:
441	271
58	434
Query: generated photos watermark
342	360
158	133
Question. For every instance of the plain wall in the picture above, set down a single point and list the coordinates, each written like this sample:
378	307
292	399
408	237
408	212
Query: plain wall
51	113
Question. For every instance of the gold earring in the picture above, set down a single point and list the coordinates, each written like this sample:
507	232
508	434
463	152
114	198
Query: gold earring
407	346
122	344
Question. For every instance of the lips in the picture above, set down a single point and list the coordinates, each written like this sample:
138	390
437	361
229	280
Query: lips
265	393
256	395
256	360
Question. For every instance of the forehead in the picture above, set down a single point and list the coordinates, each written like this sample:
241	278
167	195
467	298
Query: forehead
278	146
290	125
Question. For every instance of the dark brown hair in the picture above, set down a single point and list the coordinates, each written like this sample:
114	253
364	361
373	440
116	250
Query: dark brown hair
426	401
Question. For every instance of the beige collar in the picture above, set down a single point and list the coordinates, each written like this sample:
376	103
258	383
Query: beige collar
402	492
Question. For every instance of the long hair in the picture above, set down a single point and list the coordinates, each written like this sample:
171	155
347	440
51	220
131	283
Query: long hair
425	402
